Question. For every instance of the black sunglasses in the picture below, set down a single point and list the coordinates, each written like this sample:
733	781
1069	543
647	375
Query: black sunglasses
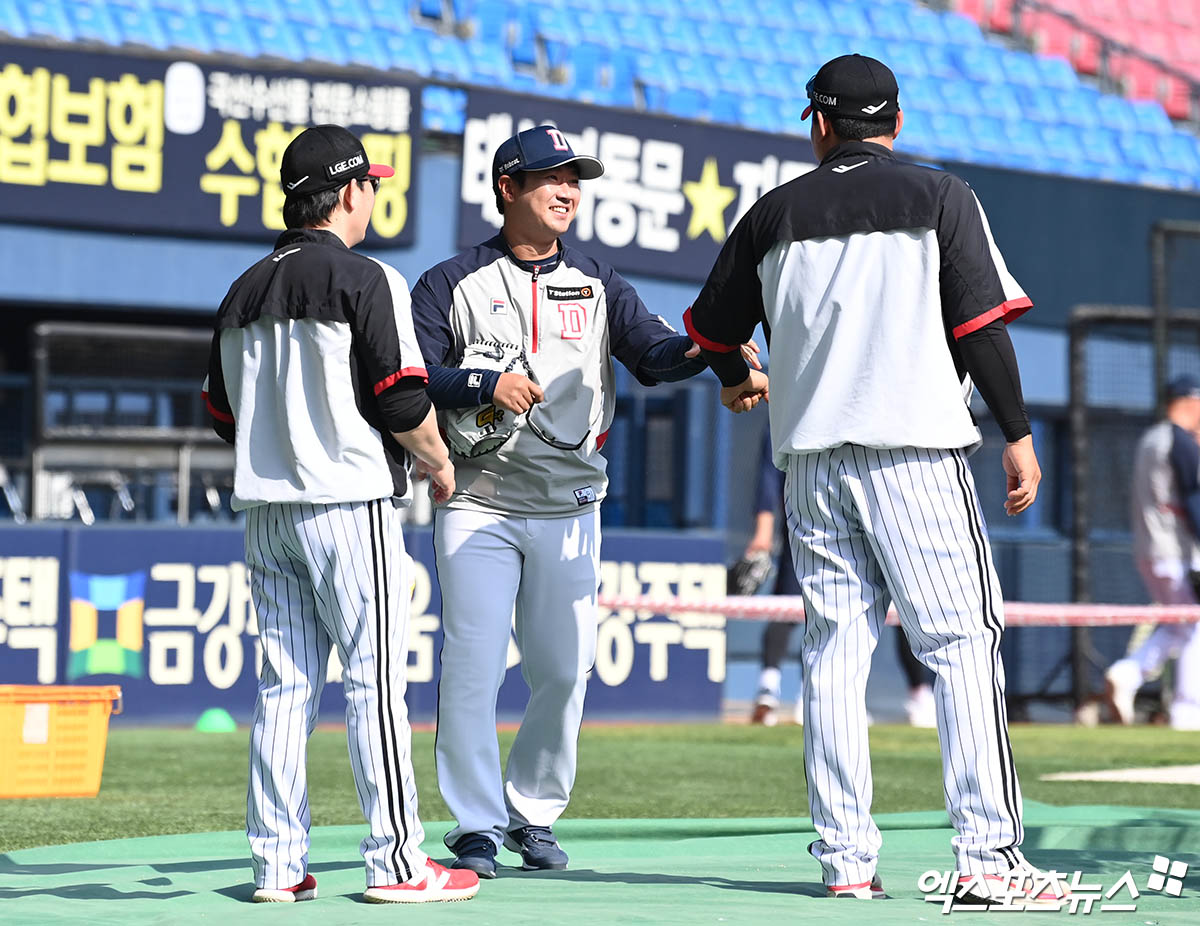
374	181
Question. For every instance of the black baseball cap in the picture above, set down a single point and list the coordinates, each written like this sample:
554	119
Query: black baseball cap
1184	386
854	87
325	157
540	148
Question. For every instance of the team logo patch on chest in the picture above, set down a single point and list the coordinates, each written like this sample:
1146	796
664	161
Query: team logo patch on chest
499	307
560	293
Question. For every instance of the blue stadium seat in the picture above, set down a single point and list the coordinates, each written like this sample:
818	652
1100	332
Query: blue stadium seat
265	10
726	107
387	14
1056	72
1000	101
309	12
1151	117
940	61
887	22
1101	147
363	47
230	36
1115	112
692	72
952	132
848	19
732	76
11	21
960	30
48	19
92	21
320	44
493	23
184	31
961	96
760	113
600	28
140	27
556	25
447	57
1079	106
1139	148
637	32
276	39
656	71
809	16
1178	152
431	9
442	110
734	12
230	9
924	25
1041	104
795	48
906	58
408	52
687	102
346	12
590	64
677	35
921	93
981	63
1020	68
490	64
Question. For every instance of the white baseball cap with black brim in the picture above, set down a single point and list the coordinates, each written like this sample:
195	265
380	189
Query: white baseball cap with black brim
541	148
325	157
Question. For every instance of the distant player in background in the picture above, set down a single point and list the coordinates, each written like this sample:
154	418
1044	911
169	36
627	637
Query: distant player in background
1166	548
919	707
520	334
885	298
316	379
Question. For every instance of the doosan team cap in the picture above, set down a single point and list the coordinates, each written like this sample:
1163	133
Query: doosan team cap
854	87
325	157
1183	386
540	148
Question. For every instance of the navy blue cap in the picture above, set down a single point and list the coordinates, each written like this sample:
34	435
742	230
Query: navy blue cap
855	87
1184	386
540	148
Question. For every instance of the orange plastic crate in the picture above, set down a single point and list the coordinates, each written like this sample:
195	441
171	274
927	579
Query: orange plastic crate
52	739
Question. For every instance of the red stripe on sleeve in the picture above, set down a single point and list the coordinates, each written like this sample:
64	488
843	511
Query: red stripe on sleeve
701	339
601	439
212	410
407	371
1014	308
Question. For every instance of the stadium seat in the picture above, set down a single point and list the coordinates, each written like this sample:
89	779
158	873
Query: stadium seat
183	31
1039	103
1178	152
676	34
923	24
1139	149
230	36
687	102
726	107
960	30
276	39
922	94
407	52
92	21
320	44
364	48
1054	71
447	57
226	8
48	20
309	12
1000	101
265	10
140	27
490	64
961	96
848	20
1150	116
431	9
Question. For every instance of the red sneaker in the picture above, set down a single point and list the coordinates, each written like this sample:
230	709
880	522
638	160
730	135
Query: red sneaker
305	890
868	890
433	883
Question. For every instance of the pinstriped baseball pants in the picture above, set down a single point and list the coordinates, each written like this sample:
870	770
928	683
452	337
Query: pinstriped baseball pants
325	575
872	527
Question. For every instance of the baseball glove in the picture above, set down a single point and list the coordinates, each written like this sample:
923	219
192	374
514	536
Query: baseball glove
473	432
746	576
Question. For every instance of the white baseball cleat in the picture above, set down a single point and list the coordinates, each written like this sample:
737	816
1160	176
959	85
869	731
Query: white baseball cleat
868	890
921	708
1121	682
305	890
433	883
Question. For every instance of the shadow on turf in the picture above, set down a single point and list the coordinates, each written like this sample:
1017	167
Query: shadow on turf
644	877
92	892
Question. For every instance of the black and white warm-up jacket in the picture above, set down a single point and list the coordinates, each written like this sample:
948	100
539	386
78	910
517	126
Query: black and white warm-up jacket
311	343
866	273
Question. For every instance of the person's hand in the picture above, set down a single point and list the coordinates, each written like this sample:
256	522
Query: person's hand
1024	474
746	394
749	353
517	393
443	479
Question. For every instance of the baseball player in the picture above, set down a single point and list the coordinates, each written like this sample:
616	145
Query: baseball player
316	379
885	299
1166	549
519	334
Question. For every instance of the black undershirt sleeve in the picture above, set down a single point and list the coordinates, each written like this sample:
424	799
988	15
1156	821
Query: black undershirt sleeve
987	354
404	404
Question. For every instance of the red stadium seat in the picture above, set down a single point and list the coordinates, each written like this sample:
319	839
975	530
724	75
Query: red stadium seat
1000	16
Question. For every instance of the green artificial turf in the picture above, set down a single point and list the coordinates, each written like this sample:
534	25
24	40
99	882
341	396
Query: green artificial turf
161	781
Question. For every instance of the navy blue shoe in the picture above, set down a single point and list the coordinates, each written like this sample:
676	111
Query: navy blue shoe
539	849
475	852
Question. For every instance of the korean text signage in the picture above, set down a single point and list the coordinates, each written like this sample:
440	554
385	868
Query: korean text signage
671	191
156	145
167	614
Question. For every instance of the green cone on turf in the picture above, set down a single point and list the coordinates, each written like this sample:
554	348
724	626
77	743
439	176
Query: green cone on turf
216	720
